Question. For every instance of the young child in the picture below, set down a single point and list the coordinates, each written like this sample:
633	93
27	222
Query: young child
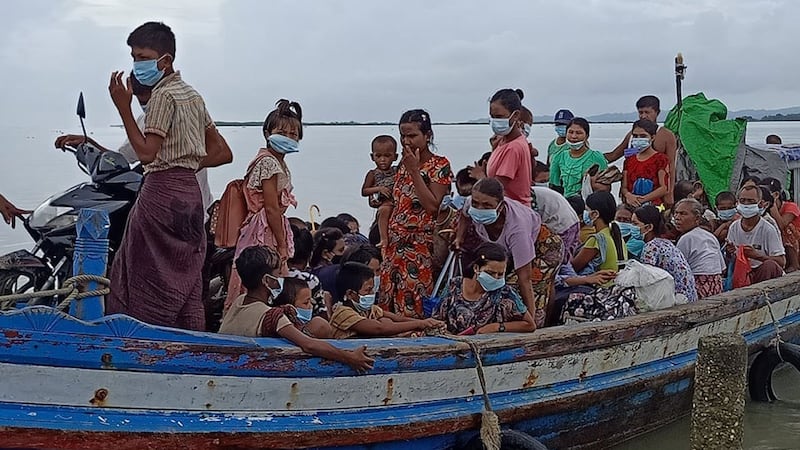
379	182
358	316
644	173
541	175
250	314
297	293
726	214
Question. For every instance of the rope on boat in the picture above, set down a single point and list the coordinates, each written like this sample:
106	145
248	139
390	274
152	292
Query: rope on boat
71	288
490	424
778	340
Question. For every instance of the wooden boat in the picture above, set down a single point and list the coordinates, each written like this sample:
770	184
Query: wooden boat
119	383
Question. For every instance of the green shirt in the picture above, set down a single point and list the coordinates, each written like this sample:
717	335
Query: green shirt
554	149
568	172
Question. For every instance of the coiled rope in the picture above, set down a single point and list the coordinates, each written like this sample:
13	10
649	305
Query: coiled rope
71	288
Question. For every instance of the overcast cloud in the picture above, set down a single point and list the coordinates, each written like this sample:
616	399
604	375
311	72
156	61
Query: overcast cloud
371	60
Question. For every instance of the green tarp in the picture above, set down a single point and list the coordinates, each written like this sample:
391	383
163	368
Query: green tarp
710	140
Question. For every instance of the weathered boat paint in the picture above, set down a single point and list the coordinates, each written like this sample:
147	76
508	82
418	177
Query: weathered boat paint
73	384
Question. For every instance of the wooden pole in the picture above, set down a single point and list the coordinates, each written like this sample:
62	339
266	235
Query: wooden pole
719	393
680	72
90	258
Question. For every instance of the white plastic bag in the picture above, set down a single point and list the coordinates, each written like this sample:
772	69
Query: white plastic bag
586	186
655	287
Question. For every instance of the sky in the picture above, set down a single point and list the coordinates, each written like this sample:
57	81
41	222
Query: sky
368	60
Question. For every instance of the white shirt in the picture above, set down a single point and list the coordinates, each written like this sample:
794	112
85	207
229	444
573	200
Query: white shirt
555	210
702	251
126	150
763	237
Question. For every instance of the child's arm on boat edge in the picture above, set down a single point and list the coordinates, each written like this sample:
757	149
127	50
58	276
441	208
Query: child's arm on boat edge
357	359
384	328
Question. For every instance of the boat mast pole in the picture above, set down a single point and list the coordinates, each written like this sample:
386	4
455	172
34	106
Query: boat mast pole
680	72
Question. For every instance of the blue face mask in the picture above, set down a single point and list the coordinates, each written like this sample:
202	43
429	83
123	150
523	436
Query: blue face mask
483	216
586	219
458	201
490	283
639	143
635	247
629	230
561	130
726	214
747	211
304	314
283	144
575	145
365	302
526	129
500	127
147	73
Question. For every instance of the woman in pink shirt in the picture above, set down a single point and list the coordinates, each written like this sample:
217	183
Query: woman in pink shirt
511	160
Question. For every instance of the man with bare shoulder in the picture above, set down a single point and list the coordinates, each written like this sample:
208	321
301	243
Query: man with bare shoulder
649	107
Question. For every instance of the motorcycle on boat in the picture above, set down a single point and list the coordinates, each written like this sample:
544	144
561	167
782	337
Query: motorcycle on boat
113	187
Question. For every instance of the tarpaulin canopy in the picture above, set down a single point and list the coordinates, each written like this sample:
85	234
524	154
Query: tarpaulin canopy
710	140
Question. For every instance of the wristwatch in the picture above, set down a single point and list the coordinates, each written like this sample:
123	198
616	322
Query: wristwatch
502	327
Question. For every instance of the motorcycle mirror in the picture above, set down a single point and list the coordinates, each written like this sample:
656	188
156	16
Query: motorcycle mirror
82	114
81	107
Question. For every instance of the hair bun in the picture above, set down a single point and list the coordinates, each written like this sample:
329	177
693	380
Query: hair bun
520	93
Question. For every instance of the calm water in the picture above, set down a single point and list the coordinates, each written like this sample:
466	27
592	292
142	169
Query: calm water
329	172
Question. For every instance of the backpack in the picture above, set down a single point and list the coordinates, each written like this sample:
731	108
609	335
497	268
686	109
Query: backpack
231	211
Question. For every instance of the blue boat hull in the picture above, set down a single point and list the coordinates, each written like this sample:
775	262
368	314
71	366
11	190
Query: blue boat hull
73	384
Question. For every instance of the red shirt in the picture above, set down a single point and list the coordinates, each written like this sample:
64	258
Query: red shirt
794	210
647	169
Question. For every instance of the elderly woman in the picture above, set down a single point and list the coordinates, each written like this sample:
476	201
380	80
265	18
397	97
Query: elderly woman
484	303
661	252
700	248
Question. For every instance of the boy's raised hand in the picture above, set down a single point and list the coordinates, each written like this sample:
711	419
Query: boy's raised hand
121	93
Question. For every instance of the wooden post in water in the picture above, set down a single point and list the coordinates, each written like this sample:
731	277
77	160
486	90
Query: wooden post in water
90	258
720	379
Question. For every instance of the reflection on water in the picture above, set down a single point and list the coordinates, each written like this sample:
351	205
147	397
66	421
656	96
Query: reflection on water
767	426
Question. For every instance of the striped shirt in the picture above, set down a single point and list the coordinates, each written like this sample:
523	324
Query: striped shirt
177	113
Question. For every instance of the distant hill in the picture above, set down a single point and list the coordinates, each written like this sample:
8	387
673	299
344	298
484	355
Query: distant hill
766	114
790	113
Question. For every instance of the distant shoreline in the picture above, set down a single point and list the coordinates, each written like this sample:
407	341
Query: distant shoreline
374	124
